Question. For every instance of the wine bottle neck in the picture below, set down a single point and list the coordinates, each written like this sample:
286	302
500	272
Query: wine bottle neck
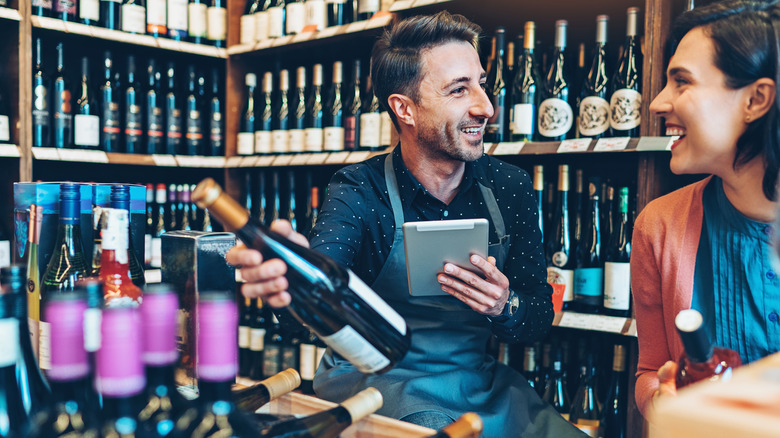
121	407
211	392
75	390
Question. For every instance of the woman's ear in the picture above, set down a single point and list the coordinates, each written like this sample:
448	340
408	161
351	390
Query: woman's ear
763	93
403	107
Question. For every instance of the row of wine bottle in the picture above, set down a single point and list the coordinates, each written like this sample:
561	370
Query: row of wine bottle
272	195
552	101
197	21
280	119
115	113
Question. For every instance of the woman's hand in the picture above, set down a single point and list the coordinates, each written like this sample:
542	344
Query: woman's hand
666	379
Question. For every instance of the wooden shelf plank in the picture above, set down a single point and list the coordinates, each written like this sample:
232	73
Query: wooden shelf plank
10	14
600	323
10	151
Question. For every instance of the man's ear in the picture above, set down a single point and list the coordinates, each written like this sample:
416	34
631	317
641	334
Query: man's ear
403	107
763	93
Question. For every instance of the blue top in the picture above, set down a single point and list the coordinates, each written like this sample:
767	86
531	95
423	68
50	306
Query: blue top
735	284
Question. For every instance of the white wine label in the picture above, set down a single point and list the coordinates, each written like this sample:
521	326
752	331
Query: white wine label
296	17
364	356
148	249
89	9
86	130
368	295
562	276
245	144
555	117
216	26
386	129
272	358
263	141
261	25
365	6
156	252
617	285
316	14
197	19
594	116
5	253
133	19
334	139
370	130
275	22
308	361
297	140
314	140
35	335
44	345
92	337
626	109
155	12
280	141
9	341
256	339
248	30
523	119
243	336
177	14
114	233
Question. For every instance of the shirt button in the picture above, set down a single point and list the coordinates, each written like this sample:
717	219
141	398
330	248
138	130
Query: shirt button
773	317
771	275
446	213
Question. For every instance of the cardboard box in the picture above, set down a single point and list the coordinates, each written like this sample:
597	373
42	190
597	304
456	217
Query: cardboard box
101	197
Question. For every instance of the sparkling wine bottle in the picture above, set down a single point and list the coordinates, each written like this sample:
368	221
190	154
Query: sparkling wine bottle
560	260
556	117
585	410
247	30
280	139
314	113
593	108
613	420
526	89
496	88
701	360
264	125
468	425
251	398
297	131
333	125
332	301
626	99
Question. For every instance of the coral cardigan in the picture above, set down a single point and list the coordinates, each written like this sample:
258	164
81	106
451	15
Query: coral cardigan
663	261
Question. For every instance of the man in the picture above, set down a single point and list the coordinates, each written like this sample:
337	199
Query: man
427	73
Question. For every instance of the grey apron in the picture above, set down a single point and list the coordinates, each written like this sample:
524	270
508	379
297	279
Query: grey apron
447	368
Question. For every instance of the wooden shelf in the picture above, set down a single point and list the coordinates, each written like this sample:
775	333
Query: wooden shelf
10	151
599	323
10	14
126	37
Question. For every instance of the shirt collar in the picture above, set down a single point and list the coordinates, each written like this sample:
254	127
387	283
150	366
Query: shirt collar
409	187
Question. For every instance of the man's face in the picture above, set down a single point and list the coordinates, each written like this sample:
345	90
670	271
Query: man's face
452	108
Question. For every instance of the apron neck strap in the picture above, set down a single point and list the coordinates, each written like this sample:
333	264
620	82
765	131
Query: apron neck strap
392	191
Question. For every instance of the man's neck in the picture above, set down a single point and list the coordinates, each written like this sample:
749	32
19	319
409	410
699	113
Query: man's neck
439	175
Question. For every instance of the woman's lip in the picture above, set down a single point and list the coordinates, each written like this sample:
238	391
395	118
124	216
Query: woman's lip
676	142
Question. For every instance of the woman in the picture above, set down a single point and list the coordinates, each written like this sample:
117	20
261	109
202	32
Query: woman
707	245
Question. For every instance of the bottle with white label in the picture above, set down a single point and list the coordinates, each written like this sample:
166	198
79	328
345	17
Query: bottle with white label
316	14
556	118
133	16
370	121
328	298
245	145
89	12
276	19
314	113
626	101
216	23
280	139
261	20
297	125
177	20
264	126
593	108
560	259
156	18
197	11
617	273
333	114
295	13
86	122
247	29
367	8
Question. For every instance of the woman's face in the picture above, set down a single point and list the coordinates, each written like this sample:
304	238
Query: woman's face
697	105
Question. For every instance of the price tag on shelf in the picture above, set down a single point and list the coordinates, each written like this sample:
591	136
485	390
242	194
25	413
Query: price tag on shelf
233	161
212	161
164	160
9	150
330	31
611	144
357	156
400	5
265	160
574	145
318	158
510	148
586	321
300	159
83	155
45	153
337	157
656	143
357	26
282	160
187	161
249	161
420	3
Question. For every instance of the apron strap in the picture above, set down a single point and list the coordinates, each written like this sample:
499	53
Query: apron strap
392	192
493	210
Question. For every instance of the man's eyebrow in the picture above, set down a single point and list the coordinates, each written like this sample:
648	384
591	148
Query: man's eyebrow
677	70
460	80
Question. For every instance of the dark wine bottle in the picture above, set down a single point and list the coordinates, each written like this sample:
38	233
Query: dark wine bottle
197	21
155	116
329	423
555	392
120	199
177	19
468	425
626	97
337	13
156	19
526	89
297	127
367	8
593	108
216	23
216	117
333	123
615	411
539	192
560	260
41	114
15	421
272	347
63	111
343	304
89	12
496	89
555	114
257	333
251	398
370	120
290	213
133	116
173	117
110	132
585	410
589	272
160	226
280	139
133	16
617	275
86	122
65	10
244	327
530	367
41	8
109	13
701	360
264	126
353	109
245	144
193	124
314	113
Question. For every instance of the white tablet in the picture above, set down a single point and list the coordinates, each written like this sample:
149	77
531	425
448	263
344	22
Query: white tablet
430	244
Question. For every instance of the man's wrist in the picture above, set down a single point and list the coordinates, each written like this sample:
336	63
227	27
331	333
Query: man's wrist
510	308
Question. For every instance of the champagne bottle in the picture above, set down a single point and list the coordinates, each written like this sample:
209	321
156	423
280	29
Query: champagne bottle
272	348
133	16
245	144
63	112
352	114
155	124
468	425
345	305
626	98
109	104
593	108
193	141
530	368
617	275
41	106
496	89
555	392
89	12
251	398
109	13
613	420
160	226
216	117
558	251
173	118
262	18
555	114
589	273
276	19
314	113
134	127
280	139
177	19
247	29
526	89
244	327
156	18
585	410
264	127
13	417
297	131
86	123
120	199
370	121
114	263
701	360
333	125
295	16
257	333
197	22
329	423
33	274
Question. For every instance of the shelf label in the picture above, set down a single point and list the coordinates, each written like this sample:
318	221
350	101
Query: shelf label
249	161
164	160
357	26
282	160
511	148
187	161
611	144
584	321
631	328
400	5
45	153
656	143
318	158
84	155
337	157
9	150
357	156
574	145
300	159
330	31
265	160
233	161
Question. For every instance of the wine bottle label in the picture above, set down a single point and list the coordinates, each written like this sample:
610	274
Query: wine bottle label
593	116
262	20
617	285
148	249
523	119
272	358
275	22
297	140
308	361
555	117
45	4
370	125
245	145
197	19
44	345
5	133
316	14
289	358
564	277
216	27
9	341
626	109
243	337
156	252
263	141
368	295
111	120
248	30
314	140
155	123
256	339
92	320
35	334
296	17
155	16
364	356
133	18
89	9
133	125
588	282
280	141
386	129
41	106
350	127
174	128
65	6
87	130
560	258
114	234
177	16
333	138
368	6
